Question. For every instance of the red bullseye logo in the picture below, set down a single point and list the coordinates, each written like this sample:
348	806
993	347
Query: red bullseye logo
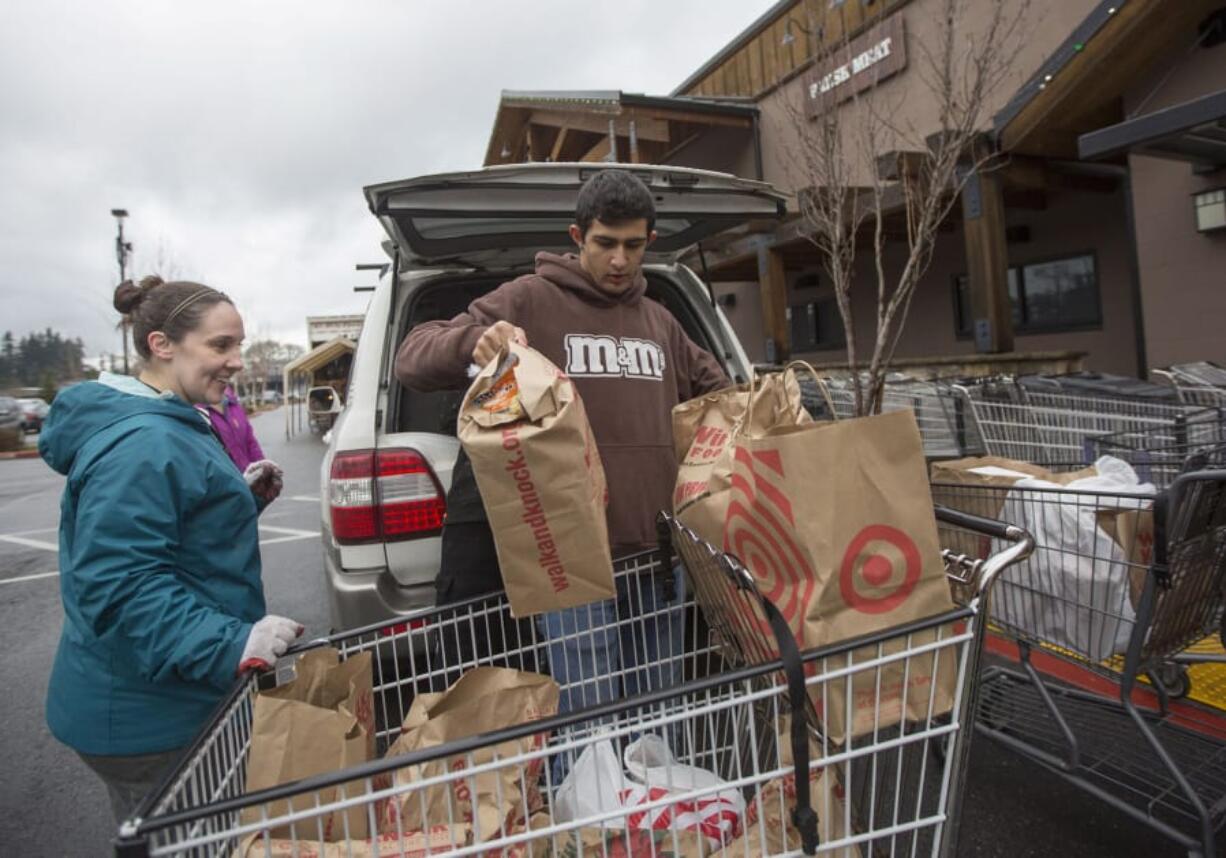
880	569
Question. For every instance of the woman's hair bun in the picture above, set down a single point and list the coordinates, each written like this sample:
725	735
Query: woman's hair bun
128	295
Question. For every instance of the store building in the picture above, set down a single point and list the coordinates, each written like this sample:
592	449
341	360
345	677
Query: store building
1099	235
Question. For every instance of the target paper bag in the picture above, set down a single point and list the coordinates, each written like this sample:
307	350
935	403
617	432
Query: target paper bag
523	425
836	522
702	434
493	802
978	485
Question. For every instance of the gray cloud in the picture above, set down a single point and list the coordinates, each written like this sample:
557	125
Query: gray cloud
239	134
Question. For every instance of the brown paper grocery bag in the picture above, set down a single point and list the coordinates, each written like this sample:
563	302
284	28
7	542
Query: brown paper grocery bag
491	803
975	485
769	829
702	434
320	722
609	842
836	522
437	840
1133	532
524	427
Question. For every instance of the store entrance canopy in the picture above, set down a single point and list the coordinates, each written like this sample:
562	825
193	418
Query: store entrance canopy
1192	131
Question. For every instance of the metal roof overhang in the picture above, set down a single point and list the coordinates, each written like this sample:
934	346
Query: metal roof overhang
320	356
569	125
1079	88
1193	131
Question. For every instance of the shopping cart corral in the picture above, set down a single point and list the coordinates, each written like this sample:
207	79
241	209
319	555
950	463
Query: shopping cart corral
732	715
1053	428
1118	588
1201	383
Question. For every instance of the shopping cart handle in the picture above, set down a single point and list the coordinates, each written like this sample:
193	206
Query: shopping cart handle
986	526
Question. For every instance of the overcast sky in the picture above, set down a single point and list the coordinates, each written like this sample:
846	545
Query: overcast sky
239	134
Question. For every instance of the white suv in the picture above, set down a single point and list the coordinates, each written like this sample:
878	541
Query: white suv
454	237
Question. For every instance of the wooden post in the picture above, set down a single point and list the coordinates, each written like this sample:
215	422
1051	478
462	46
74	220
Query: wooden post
772	281
987	262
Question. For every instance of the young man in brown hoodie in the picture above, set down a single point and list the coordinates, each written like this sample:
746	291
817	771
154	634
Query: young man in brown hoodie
631	362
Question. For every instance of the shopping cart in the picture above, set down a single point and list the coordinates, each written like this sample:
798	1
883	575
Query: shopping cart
1052	428
1161	453
945	428
1118	587
1200	383
733	719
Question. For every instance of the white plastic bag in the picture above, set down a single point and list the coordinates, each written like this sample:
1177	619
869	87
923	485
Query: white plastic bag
598	784
1073	592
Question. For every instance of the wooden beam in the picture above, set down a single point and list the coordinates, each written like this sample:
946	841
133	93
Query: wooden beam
578	144
558	143
772	282
648	128
509	132
541	140
987	261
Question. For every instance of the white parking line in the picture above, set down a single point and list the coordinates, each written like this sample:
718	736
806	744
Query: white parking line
30	543
304	498
287	539
29	577
291	534
290	531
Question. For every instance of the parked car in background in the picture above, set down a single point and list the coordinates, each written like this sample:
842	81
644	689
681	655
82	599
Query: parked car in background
11	431
388	465
33	413
323	404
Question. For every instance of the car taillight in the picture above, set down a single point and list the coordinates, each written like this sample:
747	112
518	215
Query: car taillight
401	628
384	496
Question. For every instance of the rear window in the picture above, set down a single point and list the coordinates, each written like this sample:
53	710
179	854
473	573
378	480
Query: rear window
437	412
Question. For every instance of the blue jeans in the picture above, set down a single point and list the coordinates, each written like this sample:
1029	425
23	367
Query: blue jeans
617	648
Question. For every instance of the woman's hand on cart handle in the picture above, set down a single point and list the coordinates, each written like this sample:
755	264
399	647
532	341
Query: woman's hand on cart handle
269	639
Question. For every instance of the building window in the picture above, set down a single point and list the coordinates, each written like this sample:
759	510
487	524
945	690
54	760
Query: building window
1056	295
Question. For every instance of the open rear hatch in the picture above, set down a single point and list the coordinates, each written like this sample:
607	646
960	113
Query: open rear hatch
501	216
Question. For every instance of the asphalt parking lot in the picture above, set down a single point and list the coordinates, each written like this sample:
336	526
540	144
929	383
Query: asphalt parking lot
51	805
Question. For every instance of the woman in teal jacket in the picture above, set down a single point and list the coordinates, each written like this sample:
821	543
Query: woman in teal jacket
159	550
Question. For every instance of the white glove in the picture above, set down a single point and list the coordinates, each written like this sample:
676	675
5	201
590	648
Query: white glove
269	639
265	479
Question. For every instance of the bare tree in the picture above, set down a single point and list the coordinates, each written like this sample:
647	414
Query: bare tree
263	358
869	174
165	262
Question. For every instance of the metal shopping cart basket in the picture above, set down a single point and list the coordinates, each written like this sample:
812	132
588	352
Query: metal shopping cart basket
1052	428
1201	383
1117	588
945	428
1161	453
732	719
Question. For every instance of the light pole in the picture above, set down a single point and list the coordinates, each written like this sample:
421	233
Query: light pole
122	249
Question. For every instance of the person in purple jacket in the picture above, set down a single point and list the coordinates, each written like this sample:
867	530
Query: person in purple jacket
233	429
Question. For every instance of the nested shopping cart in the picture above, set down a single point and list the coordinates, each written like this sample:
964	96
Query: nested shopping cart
731	712
1118	587
1201	383
1055	428
945	427
1162	452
